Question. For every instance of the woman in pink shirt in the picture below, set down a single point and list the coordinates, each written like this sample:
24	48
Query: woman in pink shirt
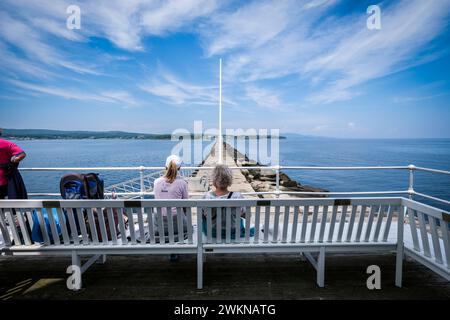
171	186
10	153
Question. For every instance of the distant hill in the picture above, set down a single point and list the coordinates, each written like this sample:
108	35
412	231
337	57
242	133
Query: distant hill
22	134
44	134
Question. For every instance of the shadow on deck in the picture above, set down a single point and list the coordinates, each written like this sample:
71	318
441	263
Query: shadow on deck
259	276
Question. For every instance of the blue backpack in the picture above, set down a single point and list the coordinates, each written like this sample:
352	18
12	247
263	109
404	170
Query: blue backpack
36	233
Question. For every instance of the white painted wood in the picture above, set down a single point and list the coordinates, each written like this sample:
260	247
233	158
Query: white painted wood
435	239
170	224
314	223
266	223
424	234
218	225
295	224
102	225
257	223
228	225
92	226
209	223
351	223
150	222
4	229
43	228
446	240
387	226
64	231
131	225
23	229
189	224
160	220
140	214
342	223
82	223
323	223
12	227
332	223
123	234
285	224
276	224
321	268
412	225
373	210
247	223
362	217
304	223
180	227
380	218
112	226
400	248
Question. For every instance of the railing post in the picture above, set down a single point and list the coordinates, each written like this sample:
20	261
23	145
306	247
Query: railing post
411	169
141	173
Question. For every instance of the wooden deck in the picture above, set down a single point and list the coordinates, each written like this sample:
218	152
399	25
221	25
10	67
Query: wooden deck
258	276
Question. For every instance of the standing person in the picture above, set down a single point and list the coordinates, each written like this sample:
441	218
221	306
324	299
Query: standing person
171	186
10	156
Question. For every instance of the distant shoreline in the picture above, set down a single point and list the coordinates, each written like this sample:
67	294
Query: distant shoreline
41	134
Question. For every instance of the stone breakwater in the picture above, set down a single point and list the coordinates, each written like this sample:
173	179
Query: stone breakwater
264	180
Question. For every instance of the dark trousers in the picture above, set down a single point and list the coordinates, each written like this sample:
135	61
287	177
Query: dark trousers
3	191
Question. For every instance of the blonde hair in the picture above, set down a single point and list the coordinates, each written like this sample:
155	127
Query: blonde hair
171	171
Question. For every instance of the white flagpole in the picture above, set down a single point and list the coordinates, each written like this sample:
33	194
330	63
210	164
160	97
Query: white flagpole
220	112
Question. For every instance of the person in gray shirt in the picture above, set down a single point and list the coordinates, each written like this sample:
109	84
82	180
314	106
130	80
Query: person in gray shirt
222	179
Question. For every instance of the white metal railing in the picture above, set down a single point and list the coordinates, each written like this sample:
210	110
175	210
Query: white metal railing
141	190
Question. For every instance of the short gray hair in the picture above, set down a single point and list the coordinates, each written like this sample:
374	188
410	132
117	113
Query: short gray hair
222	176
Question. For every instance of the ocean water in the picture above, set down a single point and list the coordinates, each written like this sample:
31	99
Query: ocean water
301	151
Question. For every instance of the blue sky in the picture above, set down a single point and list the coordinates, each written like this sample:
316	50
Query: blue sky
309	67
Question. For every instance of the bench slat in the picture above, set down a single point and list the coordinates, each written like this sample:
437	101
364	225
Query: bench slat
82	223
248	217
446	239
314	224
372	211
219	225
101	221
435	239
129	214
276	224
53	228
237	229
387	226
257	223
42	226
285	223
12	226
170	224
323	223
189	224
362	217
266	223
295	224
92	226
64	231
304	223
4	229
23	229
412	225
342	223
151	230
162	238
380	219
180	224
351	223
424	234
209	223
228	225
112	225
123	233
332	223
140	213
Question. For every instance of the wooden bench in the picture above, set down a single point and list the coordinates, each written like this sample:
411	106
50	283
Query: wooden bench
311	227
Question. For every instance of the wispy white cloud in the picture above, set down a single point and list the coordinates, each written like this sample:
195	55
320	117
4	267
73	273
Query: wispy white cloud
179	92
117	97
264	97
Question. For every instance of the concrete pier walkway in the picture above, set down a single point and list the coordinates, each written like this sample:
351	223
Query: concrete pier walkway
201	183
